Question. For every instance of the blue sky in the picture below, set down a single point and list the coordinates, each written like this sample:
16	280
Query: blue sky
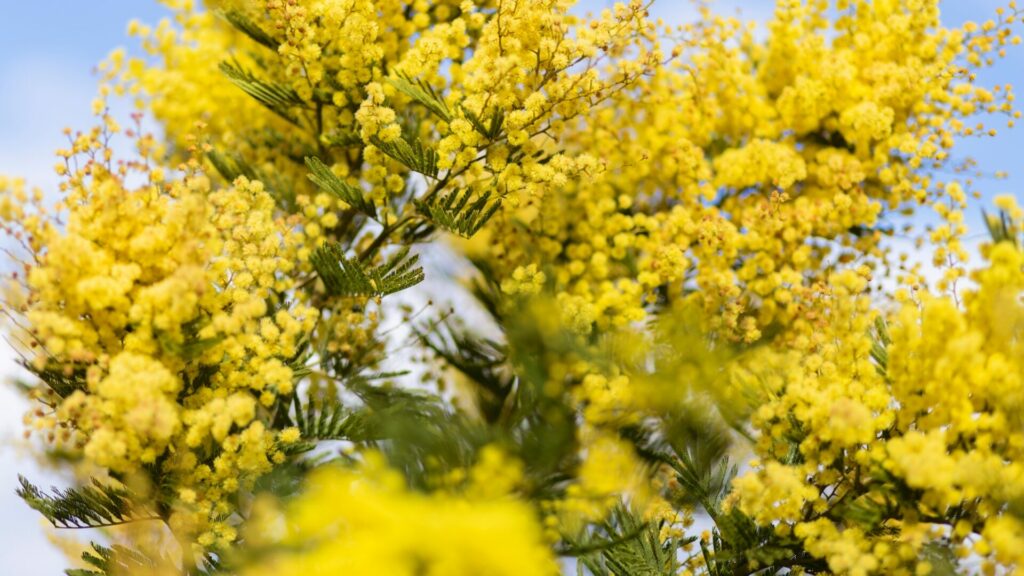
48	49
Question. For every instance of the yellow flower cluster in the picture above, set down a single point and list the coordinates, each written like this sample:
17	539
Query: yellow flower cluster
158	305
366	522
688	224
737	175
533	68
934	410
508	79
746	168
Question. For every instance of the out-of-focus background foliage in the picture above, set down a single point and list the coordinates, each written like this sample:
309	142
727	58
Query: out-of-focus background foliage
48	51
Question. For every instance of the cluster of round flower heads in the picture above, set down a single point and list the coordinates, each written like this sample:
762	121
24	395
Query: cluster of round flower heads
737	185
153	314
746	169
509	77
929	405
366	521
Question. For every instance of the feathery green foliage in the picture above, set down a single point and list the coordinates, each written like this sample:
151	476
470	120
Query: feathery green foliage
249	28
92	506
344	276
231	166
481	360
414	156
455	213
327	181
279	99
120	560
423	93
328	421
59	380
625	545
1000	227
494	124
880	341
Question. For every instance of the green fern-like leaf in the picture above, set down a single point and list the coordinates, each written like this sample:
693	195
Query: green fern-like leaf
57	378
347	277
120	560
398	273
423	93
706	482
626	545
490	130
942	559
343	139
328	421
481	360
231	166
281	100
249	28
116	560
327	181
92	506
191	349
414	156
420	431
643	555
880	341
1000	227
455	213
